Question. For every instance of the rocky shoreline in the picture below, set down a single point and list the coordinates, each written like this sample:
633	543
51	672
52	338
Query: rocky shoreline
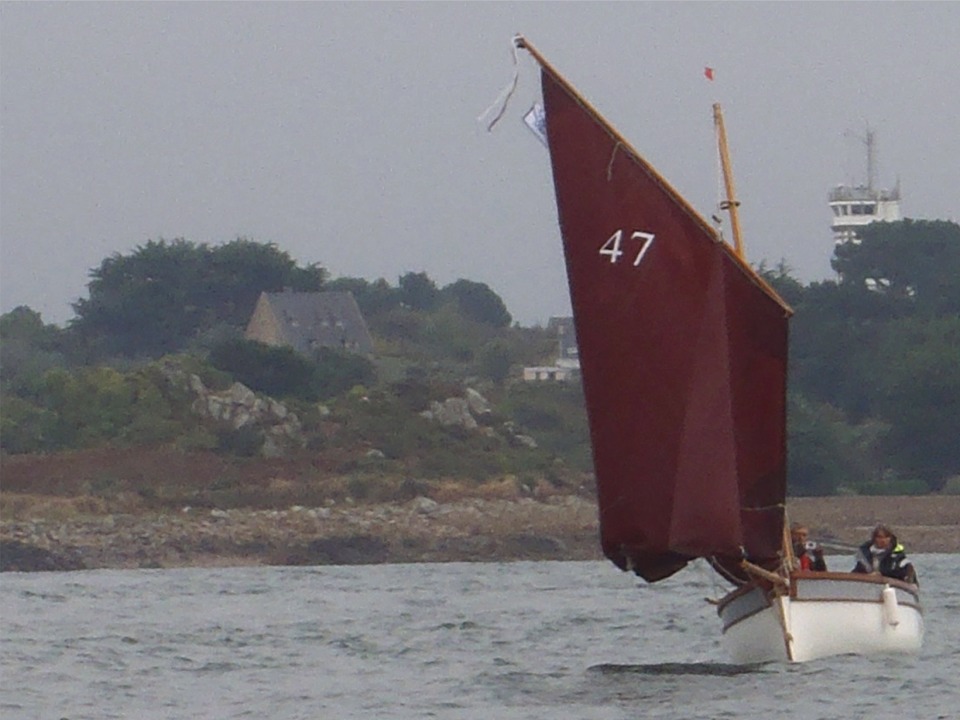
562	527
421	530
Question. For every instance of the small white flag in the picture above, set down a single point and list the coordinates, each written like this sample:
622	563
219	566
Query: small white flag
536	120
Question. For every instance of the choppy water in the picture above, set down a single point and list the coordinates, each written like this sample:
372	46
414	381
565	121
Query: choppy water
520	640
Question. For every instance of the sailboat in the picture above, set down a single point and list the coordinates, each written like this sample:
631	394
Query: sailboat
683	358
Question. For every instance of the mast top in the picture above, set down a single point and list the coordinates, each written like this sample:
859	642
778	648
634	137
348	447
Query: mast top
730	204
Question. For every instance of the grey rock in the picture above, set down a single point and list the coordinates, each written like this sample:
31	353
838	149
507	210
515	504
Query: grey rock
16	556
424	505
196	385
241	394
477	403
453	411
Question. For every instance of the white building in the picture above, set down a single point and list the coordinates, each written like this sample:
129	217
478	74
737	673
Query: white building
855	207
549	373
567	366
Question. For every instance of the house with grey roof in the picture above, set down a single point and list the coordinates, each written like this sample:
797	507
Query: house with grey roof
309	321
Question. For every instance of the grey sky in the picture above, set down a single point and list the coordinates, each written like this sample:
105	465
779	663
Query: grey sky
347	133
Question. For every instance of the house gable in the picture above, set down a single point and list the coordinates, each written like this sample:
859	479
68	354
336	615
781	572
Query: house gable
308	321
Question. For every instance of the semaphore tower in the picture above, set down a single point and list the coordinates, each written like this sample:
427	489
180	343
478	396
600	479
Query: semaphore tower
855	207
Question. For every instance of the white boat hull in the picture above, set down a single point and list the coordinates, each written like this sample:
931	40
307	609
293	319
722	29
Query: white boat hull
823	614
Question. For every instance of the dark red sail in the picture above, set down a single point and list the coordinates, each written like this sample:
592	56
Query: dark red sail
683	353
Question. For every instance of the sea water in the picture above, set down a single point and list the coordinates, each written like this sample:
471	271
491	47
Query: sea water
487	640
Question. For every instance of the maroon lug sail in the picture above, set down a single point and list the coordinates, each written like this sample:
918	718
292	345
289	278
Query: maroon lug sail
683	353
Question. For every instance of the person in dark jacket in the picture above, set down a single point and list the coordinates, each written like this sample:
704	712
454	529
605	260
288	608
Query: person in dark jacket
884	555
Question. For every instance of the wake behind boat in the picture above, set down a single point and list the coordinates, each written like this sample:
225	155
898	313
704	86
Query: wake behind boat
683	356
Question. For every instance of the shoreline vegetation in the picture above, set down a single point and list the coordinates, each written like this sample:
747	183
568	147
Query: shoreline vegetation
63	533
149	432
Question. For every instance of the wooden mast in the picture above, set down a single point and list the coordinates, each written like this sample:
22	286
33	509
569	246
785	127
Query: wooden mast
731	204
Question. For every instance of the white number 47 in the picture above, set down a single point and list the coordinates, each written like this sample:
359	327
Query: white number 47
611	247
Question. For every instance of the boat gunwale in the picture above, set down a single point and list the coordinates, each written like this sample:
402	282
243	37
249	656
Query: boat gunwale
819	575
852	577
915	606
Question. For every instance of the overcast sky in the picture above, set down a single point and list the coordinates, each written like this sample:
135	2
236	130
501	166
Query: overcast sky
347	133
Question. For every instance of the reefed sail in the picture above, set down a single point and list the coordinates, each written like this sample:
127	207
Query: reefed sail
683	354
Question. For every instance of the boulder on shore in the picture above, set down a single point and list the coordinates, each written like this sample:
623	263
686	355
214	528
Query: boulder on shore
16	556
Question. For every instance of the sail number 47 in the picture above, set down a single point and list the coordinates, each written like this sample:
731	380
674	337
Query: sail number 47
613	246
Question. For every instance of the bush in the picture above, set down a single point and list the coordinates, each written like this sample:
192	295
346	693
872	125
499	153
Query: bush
26	428
555	415
951	486
244	442
495	360
336	371
894	487
275	371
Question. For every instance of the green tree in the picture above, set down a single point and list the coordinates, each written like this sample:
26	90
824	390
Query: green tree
833	334
26	428
157	299
142	304
28	349
824	454
781	279
495	360
478	302
26	325
400	324
373	298
914	261
235	274
917	391
447	334
418	292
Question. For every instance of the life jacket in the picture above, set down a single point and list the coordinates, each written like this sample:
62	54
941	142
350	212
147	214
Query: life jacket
892	562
